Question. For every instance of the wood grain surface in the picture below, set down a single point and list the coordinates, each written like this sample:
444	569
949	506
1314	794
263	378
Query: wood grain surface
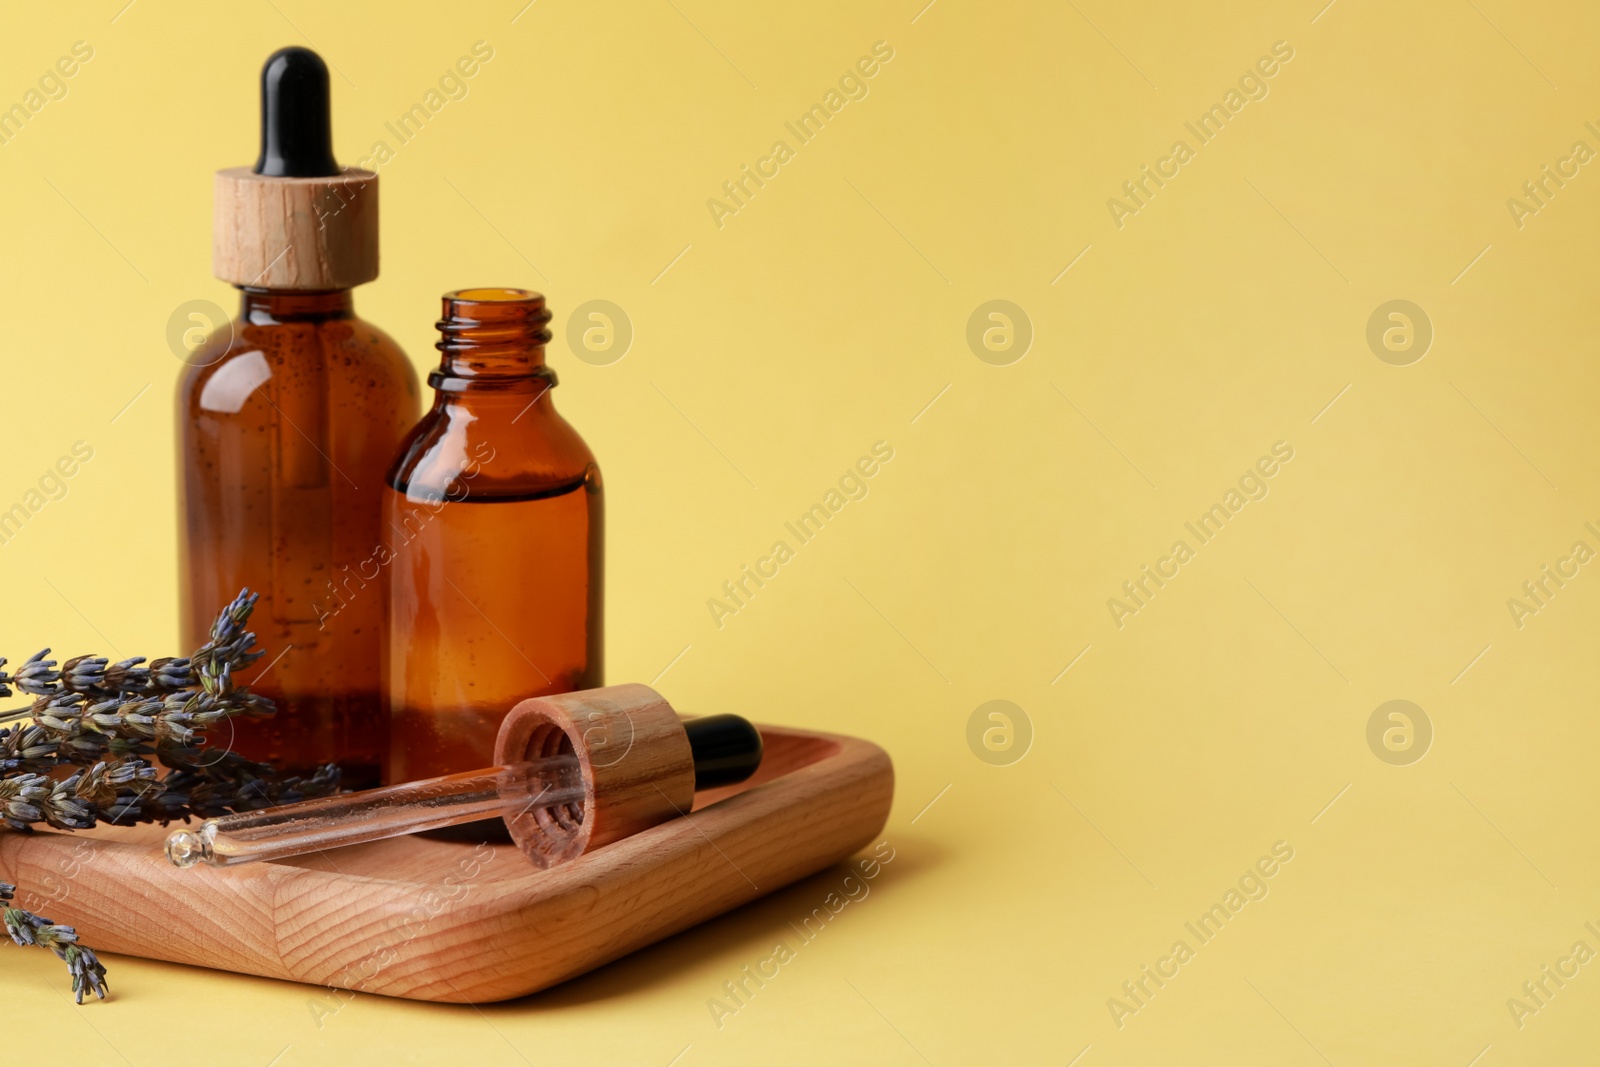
434	920
306	234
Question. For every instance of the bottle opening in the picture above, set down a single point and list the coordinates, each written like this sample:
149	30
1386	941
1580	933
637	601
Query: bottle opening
495	296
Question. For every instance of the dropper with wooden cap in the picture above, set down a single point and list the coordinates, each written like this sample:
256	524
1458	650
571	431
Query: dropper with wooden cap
296	220
288	417
576	771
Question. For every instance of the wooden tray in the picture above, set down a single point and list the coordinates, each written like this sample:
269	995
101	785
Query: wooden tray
433	920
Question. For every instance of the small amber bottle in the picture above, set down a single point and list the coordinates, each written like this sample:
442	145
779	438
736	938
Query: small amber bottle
493	511
288	419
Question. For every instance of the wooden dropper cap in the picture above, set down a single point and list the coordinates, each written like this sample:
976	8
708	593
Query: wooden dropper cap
641	764
638	769
296	220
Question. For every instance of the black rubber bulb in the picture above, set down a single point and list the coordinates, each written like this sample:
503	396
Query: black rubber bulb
726	749
296	130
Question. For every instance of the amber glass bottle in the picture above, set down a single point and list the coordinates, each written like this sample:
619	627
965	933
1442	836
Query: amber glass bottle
493	510
287	420
287	423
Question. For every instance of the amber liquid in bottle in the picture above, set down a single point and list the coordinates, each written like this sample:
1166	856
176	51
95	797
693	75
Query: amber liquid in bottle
494	522
287	423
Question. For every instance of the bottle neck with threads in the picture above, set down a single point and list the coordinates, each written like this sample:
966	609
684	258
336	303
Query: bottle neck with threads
492	341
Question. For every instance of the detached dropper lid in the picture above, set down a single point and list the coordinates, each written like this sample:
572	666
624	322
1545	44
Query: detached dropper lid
296	220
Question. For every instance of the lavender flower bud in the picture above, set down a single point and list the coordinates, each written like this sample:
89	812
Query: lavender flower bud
87	972
84	673
171	674
37	676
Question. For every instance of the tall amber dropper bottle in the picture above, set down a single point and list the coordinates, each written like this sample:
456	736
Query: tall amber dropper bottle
493	513
287	421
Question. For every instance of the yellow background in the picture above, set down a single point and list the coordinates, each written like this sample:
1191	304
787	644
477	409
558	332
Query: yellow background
773	351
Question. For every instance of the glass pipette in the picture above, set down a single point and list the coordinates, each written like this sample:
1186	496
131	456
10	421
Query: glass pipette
726	749
355	818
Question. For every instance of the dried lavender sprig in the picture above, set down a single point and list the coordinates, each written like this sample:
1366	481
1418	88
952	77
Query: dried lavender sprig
116	736
74	802
230	648
26	928
118	723
185	793
107	721
199	784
